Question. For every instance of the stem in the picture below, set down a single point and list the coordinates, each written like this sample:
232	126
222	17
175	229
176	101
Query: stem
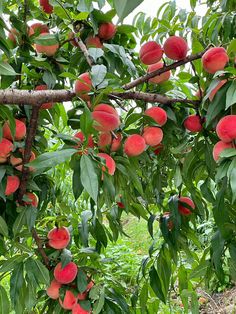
40	247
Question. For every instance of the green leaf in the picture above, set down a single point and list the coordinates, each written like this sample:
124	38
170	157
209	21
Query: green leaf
98	73
16	283
3	227
231	95
125	7
81	281
9	264
98	306
41	272
46	40
83	228
19	222
89	177
4	301
95	53
156	285
66	257
6	69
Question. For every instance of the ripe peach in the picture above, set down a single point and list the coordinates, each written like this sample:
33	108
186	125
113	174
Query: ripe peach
32	199
215	90
38	28
46	6
159	78
20	130
104	139
175	48
193	123
170	224
17	161
82	296
110	163
5	148
116	142
134	145
48	50
13	183
120	205
106	118
93	42
214	59
59	238
67	274
150	53
13	34
226	128
106	31
53	289
80	136
219	147
153	135
157	114
83	85
184	210
47	105
69	300
77	309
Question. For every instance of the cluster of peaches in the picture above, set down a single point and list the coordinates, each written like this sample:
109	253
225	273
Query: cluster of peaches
64	276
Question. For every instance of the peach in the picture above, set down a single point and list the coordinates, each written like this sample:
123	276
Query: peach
134	145
104	139
17	161
175	48
53	289
215	90
69	300
219	147
93	42
20	130
158	148
13	183
159	78
170	224
5	148
3	160
193	123
116	142
48	50
184	210
153	135
90	285
46	6
150	53
83	85
77	309
32	199
106	31
82	296
59	238
110	163
105	117
214	59
81	137
13	34
67	274
157	114
226	128
47	105
120	204
38	28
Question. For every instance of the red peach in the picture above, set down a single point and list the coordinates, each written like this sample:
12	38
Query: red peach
193	123
82	296
120	205
159	78
77	309
32	199
3	160
17	161
53	289
215	90
20	130
175	48
48	50
116	142
46	6
150	53
219	147
104	139
184	210
83	85
67	274
13	34
13	183
93	42
81	137
107	31
214	59
38	28
110	163
170	224
226	128
69	300
5	148
153	135
47	105
106	118
59	238
134	145
157	114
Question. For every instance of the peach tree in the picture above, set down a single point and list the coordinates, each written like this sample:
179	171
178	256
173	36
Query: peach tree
100	118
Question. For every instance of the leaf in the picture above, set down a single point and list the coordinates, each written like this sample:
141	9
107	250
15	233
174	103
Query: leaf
100	233
83	227
4	301
125	7
16	283
200	270
89	177
3	227
46	40
231	95
95	53
6	69
81	281
155	283
19	222
66	257
98	73
41	272
98	306
10	263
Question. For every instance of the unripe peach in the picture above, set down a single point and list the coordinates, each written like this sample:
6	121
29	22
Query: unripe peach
59	238
175	48
69	300
53	289
48	50
93	42
33	199
157	114
47	105
159	78
38	28
116	142
81	137
83	85
214	59
67	274
77	309
193	123
5	148
150	53
219	147
104	139
226	128
107	31
13	34
13	183
184	210
134	145
153	135
110	163
215	90
20	130
106	118
46	6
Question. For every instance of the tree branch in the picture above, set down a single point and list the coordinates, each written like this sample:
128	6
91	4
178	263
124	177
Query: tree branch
40	248
84	50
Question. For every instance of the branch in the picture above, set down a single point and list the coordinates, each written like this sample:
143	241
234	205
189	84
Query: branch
40	248
84	50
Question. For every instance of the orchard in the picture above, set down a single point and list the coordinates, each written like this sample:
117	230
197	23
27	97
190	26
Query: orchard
103	121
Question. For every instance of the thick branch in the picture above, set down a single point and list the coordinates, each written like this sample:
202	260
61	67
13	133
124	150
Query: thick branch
40	248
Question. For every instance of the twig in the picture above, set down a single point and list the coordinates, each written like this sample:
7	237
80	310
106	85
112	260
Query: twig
40	247
198	80
84	49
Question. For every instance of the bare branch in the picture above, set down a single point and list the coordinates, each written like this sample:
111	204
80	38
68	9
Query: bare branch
40	248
